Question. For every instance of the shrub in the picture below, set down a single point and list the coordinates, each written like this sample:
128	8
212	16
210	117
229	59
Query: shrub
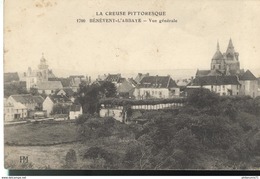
98	152
82	118
70	159
202	98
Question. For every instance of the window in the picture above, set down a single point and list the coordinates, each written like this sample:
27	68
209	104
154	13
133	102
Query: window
223	87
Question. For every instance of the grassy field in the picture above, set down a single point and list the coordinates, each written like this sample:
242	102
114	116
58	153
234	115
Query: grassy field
53	156
40	133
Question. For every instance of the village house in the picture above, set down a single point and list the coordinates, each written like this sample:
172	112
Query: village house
249	84
156	87
48	87
68	92
75	111
76	80
140	76
222	85
29	101
126	88
52	100
115	79
14	111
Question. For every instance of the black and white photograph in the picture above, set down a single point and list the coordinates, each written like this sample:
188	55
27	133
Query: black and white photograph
131	85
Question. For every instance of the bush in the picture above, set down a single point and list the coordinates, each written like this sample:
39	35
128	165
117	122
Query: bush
98	152
82	118
70	159
202	98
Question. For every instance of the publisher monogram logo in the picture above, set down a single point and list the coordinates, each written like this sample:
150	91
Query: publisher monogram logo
24	159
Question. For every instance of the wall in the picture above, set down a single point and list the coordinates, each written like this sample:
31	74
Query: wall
75	114
222	89
153	92
249	88
112	112
47	105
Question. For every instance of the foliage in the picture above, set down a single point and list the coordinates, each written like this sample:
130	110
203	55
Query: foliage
34	91
14	88
82	119
88	97
124	102
60	109
70	159
97	153
108	89
202	98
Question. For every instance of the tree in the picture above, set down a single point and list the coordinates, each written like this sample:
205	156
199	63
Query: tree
88	97
202	98
108	89
60	109
34	91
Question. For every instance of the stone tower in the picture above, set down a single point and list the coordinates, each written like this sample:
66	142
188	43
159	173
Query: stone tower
43	69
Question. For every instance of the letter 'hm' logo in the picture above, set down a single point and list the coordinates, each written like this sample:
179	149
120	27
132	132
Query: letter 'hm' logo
24	159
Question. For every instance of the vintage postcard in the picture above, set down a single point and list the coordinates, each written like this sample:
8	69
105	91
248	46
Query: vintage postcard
131	85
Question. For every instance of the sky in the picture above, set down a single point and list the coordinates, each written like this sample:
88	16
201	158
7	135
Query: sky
33	27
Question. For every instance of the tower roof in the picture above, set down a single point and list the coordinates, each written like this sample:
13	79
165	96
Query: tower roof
218	55
230	48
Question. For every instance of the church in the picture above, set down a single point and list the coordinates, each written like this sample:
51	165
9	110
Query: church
225	76
34	78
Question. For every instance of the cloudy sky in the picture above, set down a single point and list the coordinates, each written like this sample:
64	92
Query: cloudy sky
35	26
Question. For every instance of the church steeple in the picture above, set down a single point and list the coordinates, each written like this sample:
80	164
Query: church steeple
230	44
217	46
43	63
230	48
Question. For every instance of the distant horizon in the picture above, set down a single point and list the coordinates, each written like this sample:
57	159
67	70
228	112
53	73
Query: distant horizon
174	73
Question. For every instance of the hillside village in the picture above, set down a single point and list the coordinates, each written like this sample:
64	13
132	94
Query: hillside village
38	93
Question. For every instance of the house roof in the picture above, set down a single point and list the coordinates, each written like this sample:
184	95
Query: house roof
19	106
27	98
76	76
215	72
125	87
75	107
59	99
68	91
10	77
248	75
38	99
64	81
132	81
140	76
113	77
157	82
215	80
49	85
202	72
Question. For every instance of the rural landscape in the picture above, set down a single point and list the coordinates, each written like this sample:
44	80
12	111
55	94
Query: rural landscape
211	121
209	132
131	85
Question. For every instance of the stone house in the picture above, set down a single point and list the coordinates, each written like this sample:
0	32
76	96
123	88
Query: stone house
29	101
222	85
51	100
156	87
75	111
14	111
